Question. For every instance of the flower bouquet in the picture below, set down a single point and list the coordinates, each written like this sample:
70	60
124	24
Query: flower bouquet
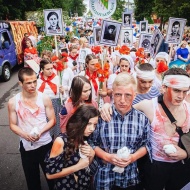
60	65
103	73
140	56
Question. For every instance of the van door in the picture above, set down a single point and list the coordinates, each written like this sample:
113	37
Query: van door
7	49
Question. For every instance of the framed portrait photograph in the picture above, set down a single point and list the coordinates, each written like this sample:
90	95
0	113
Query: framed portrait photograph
156	42
127	19
82	55
97	35
53	21
110	32
143	27
126	37
144	41
175	30
91	40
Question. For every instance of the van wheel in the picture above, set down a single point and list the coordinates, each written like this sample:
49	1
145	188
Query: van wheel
6	73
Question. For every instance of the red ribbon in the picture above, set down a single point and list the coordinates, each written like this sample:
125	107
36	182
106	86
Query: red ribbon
74	58
30	50
48	81
92	77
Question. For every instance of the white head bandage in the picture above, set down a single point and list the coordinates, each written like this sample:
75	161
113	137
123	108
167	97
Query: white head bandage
146	75
176	81
130	60
163	55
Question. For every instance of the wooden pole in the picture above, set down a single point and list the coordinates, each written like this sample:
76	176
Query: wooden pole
169	58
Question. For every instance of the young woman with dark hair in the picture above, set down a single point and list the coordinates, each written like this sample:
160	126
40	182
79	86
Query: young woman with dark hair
48	83
71	155
80	93
90	73
30	52
73	59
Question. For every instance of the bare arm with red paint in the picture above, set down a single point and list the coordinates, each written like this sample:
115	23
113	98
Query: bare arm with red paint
56	150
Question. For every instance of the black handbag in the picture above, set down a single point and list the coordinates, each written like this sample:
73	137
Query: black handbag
184	138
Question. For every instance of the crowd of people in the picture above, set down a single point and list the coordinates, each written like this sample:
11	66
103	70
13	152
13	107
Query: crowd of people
93	116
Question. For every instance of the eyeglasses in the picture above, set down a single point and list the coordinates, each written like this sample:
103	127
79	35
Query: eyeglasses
119	96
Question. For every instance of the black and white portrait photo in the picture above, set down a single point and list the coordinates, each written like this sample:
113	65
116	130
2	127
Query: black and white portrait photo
126	19
82	55
144	41
110	32
126	37
156	41
53	21
97	35
91	40
175	30
143	26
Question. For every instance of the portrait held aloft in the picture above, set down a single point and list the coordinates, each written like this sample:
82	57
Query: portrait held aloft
91	39
126	37
144	26
126	19
156	42
82	55
145	41
175	30
53	21
97	35
110	32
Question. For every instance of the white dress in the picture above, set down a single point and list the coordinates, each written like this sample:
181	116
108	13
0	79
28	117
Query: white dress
67	77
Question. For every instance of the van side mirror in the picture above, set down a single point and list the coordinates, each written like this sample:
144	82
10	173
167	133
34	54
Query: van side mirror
6	44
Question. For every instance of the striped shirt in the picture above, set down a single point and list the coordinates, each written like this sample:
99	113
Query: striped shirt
152	93
131	131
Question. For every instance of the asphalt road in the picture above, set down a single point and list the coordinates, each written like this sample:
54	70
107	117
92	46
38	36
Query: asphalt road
11	172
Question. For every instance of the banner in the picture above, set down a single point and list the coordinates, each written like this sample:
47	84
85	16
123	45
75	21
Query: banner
102	8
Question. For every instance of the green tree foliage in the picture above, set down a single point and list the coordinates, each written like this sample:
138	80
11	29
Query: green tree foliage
183	10
143	9
163	9
119	10
77	7
11	9
15	9
46	43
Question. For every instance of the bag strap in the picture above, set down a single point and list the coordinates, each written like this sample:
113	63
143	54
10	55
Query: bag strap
168	113
166	110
